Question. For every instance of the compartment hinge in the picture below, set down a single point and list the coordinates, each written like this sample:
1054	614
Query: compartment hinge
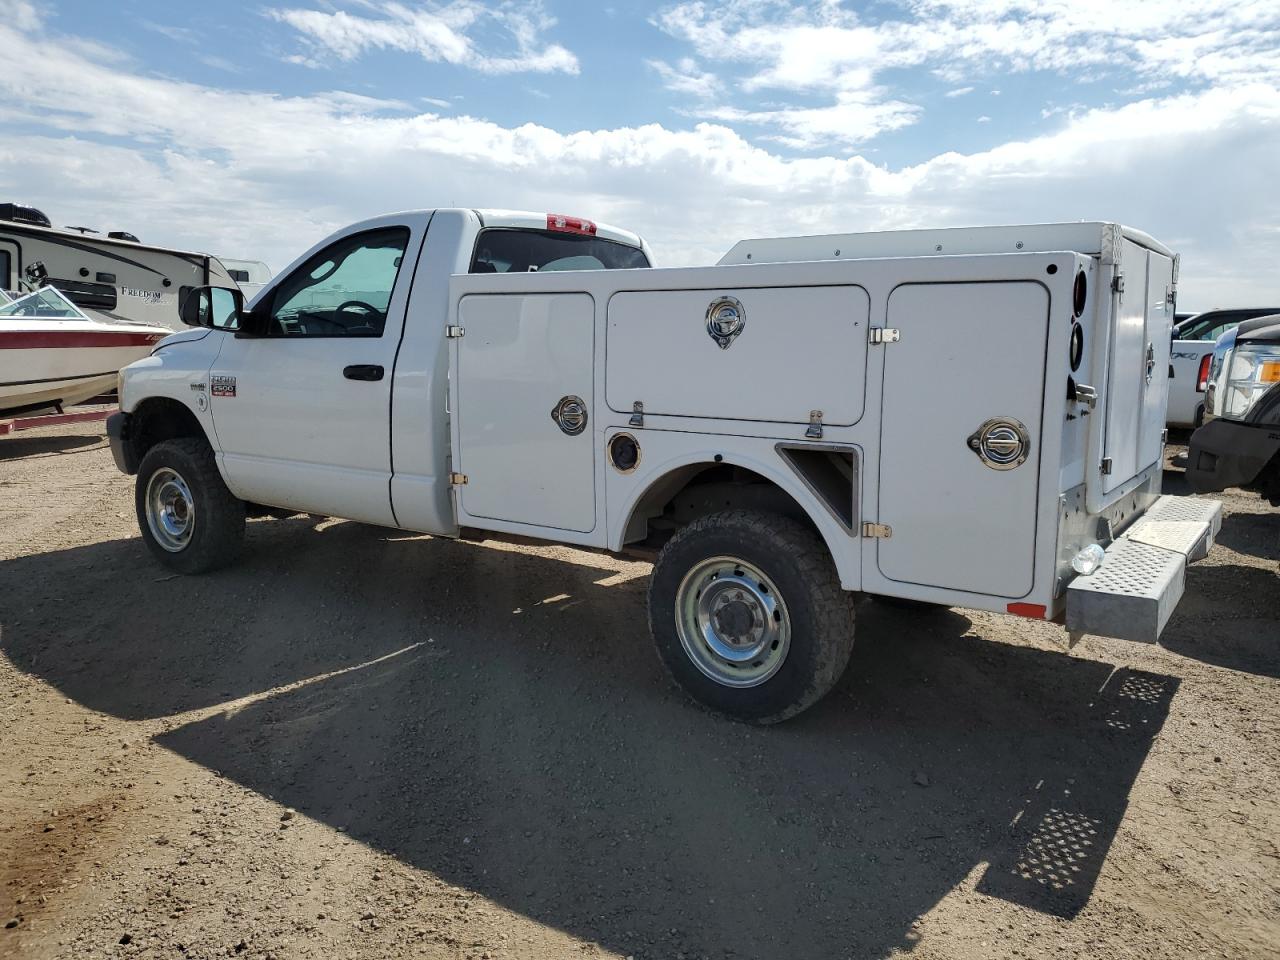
815	425
877	531
1117	283
637	414
1106	466
884	335
454	333
457	479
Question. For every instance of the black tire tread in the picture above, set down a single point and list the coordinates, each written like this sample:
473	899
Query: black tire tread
831	605
221	517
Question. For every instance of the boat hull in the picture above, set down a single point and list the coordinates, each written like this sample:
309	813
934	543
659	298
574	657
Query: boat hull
41	368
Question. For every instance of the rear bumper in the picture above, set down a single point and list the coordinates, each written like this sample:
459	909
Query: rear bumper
1227	453
118	440
1135	591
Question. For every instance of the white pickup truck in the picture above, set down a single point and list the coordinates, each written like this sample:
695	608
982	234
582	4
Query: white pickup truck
967	417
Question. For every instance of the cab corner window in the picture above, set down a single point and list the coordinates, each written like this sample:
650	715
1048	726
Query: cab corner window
342	291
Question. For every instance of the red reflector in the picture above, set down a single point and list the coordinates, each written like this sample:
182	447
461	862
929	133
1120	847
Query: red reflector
1202	378
1034	610
562	224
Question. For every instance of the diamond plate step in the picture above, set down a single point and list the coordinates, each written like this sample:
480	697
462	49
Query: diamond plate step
1131	596
1191	538
1171	508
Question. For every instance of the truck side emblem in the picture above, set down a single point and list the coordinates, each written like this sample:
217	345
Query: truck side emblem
725	320
570	415
1001	443
222	386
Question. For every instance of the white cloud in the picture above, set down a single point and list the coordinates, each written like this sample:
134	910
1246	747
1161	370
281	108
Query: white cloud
686	78
20	14
958	92
984	119
264	175
824	49
438	33
852	119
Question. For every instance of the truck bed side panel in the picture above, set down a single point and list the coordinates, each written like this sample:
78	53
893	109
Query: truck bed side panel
520	357
969	352
660	352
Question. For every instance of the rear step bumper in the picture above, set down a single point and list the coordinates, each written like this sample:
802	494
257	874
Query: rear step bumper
1132	595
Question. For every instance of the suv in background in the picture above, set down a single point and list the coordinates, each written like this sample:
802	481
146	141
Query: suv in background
1239	444
1192	348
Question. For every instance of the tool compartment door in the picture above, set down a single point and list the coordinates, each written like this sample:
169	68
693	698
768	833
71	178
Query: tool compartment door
522	354
799	349
968	353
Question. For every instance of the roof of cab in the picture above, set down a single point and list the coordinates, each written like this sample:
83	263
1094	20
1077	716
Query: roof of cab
1260	328
525	220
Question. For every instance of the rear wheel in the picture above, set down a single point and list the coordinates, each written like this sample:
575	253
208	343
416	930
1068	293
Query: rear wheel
748	615
189	520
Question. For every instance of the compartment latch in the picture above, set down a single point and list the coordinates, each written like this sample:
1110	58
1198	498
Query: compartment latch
815	425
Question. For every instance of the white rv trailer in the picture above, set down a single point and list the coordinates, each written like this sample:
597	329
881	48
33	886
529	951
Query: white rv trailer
113	274
251	275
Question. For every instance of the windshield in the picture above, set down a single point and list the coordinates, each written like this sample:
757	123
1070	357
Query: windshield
47	303
523	251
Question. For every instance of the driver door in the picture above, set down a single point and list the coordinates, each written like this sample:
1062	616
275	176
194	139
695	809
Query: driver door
302	412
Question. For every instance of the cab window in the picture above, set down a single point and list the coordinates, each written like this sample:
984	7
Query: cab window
342	291
524	251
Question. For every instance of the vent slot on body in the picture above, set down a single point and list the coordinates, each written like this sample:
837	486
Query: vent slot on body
831	475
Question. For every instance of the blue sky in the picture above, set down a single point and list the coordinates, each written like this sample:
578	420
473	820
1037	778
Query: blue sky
254	128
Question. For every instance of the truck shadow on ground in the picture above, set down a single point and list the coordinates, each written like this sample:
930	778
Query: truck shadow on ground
530	748
21	448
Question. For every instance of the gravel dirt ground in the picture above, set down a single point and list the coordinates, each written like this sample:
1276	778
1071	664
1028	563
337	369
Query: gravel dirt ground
362	743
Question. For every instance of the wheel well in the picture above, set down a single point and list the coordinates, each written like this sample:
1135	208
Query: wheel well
693	491
159	419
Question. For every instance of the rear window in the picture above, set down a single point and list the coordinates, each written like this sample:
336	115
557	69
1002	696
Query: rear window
523	251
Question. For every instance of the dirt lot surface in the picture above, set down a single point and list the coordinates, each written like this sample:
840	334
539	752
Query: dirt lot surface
360	743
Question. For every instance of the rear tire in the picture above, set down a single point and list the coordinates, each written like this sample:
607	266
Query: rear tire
189	520
748	615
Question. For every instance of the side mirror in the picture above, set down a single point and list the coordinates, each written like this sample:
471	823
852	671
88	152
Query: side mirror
214	307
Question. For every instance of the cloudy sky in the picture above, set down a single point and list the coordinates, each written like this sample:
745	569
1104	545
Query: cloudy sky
251	129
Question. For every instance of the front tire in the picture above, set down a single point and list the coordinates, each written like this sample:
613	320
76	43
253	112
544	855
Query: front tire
189	520
748	615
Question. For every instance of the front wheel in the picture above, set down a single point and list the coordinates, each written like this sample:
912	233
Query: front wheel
189	520
748	615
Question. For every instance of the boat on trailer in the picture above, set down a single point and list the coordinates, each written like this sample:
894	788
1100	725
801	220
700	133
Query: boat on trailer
53	353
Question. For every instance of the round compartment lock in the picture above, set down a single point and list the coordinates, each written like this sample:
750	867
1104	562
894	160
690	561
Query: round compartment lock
570	415
725	320
1001	443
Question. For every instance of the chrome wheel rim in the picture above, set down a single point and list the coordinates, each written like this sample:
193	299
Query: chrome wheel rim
732	621
171	512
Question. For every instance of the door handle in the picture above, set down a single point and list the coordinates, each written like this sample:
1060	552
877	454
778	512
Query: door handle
363	371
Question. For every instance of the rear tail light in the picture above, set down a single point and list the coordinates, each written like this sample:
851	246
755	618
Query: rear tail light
1202	378
562	224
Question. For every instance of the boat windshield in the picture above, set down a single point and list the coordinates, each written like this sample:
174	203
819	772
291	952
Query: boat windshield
47	303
